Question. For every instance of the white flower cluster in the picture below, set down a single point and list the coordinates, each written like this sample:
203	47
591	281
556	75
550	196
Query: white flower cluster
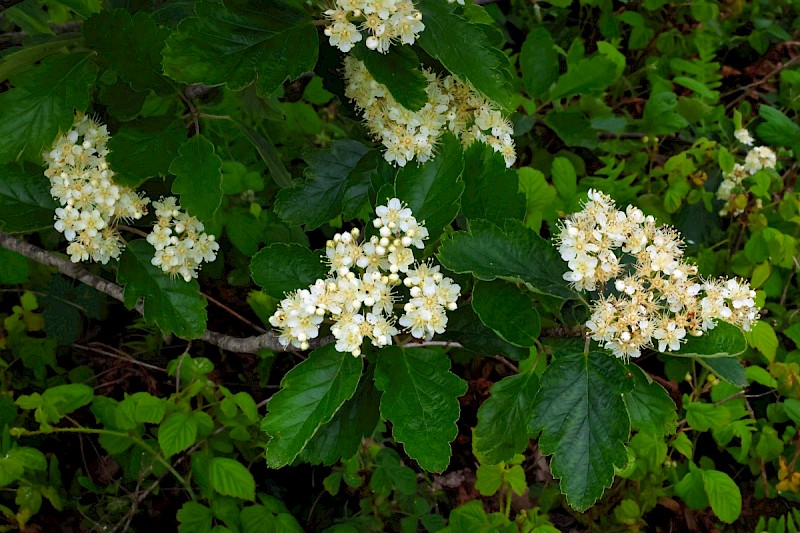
91	203
359	294
731	190
657	298
408	135
180	243
386	21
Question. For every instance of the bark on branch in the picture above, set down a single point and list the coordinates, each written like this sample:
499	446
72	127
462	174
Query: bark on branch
75	271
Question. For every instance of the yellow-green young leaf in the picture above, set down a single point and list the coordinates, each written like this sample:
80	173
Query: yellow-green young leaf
230	478
319	198
266	42
173	304
476	59
194	518
198	178
131	45
420	399
11	469
311	394
538	61
706	416
683	445
432	190
144	148
148	408
762	337
280	268
508	311
723	495
489	479
650	407
564	178
25	200
725	340
177	433
399	70
501	431
584	423
491	191
512	252
539	197
42	103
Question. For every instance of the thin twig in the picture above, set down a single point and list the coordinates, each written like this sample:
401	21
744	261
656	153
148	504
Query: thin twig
233	313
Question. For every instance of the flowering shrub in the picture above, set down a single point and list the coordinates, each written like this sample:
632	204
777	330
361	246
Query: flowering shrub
399	265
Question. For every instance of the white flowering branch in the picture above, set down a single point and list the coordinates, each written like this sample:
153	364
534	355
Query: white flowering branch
73	270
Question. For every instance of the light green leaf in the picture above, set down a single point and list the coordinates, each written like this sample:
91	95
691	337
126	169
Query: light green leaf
319	198
281	268
706	416
42	103
584	423
509	312
501	431
420	399
725	340
762	337
539	196
475	59
660	116
131	45
491	191
25	201
67	398
564	178
144	148
538	61
149	409
11	469
229	477
177	433
489	478
514	253
399	70
198	178
723	495
171	303
311	394
683	445
650	407
432	189
194	518
265	42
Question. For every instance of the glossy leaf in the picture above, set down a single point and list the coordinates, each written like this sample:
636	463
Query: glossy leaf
491	191
174	305
281	268
580	411
399	70
311	394
420	399
504	308
198	178
649	405
502	419
42	103
725	340
25	201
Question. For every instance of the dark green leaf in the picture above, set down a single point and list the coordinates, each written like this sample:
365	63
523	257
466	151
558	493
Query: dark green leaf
198	178
502	419
13	268
341	437
42	103
491	191
399	70
589	76
131	45
660	116
280	268
420	399
432	189
727	368
650	408
265	42
464	326
390	473
538	61
266	149
725	340
25	201
573	127
194	518
778	129
475	59
514	252
144	148
311	394
504	308
319	199
229	477
584	423
171	303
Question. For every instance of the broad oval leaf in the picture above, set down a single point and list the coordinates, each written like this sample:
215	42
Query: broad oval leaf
144	148
198	178
723	495
311	394
649	405
491	191
280	268
171	303
177	433
464	326
505	309
229	477
584	423
25	201
502	419
420	399
725	340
